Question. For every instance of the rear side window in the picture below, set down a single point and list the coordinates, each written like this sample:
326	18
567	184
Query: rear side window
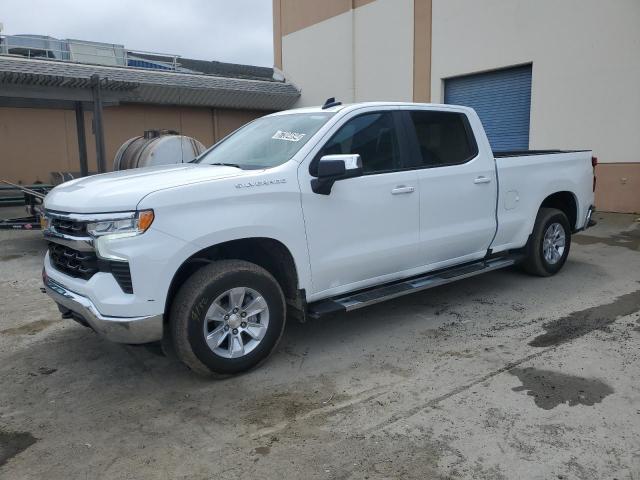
444	138
373	136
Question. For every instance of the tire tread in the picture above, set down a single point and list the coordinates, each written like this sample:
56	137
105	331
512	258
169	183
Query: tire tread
533	262
187	295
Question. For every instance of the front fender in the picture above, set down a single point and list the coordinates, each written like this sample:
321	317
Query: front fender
205	215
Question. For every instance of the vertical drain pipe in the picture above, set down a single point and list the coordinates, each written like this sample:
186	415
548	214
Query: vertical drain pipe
98	127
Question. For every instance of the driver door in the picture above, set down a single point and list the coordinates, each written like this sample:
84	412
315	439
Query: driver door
366	230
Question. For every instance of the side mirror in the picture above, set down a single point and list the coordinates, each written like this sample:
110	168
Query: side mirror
332	168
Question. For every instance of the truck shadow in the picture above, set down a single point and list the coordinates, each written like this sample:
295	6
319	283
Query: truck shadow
478	299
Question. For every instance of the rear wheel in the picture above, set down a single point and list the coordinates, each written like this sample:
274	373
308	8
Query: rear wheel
227	318
549	244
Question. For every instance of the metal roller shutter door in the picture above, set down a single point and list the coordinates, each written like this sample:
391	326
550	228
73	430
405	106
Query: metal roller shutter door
502	99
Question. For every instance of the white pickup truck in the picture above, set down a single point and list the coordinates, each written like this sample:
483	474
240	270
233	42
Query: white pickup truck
299	214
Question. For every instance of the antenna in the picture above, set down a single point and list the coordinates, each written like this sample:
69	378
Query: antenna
330	102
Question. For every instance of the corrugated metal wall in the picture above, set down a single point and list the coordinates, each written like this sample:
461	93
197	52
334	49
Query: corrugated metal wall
502	99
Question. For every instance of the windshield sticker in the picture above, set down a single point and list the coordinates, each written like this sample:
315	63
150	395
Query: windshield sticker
288	136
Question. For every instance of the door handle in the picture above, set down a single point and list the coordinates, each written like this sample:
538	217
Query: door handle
400	189
479	180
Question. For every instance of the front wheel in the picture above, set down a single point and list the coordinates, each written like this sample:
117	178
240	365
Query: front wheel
549	244
227	317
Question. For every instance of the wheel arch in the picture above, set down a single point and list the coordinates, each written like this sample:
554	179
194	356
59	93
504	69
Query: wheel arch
566	202
270	254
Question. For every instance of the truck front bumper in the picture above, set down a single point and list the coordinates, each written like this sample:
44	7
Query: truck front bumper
131	330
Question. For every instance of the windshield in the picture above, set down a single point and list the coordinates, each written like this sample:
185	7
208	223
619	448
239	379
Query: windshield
266	142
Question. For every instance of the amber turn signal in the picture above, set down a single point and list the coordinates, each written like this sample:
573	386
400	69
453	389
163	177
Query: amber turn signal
145	219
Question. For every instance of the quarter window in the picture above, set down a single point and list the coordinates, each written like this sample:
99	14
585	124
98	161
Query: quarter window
444	138
373	136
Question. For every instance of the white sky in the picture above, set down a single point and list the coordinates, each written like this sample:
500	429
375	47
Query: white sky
236	31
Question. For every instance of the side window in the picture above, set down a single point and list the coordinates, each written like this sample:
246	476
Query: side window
444	138
373	136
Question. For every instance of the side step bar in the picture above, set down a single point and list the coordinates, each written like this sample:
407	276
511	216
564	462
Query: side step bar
353	301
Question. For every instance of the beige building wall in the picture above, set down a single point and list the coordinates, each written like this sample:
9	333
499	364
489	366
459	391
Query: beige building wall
383	51
351	50
36	142
586	66
31	139
586	73
319	60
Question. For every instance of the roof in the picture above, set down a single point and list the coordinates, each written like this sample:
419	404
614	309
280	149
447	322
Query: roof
348	107
221	69
132	85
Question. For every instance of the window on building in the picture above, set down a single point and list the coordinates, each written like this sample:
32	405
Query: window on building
444	138
373	136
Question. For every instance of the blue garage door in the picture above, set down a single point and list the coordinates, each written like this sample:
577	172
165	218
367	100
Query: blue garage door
502	99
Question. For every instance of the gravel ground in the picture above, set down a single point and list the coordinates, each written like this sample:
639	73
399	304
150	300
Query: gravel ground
497	376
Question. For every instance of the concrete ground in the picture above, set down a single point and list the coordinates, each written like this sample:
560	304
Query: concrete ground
498	376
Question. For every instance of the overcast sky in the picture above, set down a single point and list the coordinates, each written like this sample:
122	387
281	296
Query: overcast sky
237	31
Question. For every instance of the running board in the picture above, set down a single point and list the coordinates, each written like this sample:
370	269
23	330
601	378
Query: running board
353	301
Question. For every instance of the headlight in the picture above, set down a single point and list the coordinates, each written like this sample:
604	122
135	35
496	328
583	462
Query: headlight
127	225
120	226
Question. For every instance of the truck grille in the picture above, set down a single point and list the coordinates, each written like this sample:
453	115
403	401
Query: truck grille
73	262
69	231
68	227
85	264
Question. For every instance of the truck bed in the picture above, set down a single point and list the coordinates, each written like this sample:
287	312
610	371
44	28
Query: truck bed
527	177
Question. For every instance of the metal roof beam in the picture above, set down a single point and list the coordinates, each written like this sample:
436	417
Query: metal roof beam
58	93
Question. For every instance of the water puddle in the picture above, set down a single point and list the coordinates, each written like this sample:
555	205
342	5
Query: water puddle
550	389
12	443
629	239
6	258
29	328
582	322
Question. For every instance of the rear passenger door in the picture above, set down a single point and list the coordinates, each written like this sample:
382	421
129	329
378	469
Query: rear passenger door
457	186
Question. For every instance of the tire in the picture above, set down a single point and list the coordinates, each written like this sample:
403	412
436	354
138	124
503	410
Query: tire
213	293
553	224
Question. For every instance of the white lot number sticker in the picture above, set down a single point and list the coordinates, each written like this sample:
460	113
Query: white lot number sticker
288	136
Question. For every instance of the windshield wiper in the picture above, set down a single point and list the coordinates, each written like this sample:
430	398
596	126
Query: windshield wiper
226	164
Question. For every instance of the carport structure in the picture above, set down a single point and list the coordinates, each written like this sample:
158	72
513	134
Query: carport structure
52	84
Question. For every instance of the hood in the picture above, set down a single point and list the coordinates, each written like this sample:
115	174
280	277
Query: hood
122	190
